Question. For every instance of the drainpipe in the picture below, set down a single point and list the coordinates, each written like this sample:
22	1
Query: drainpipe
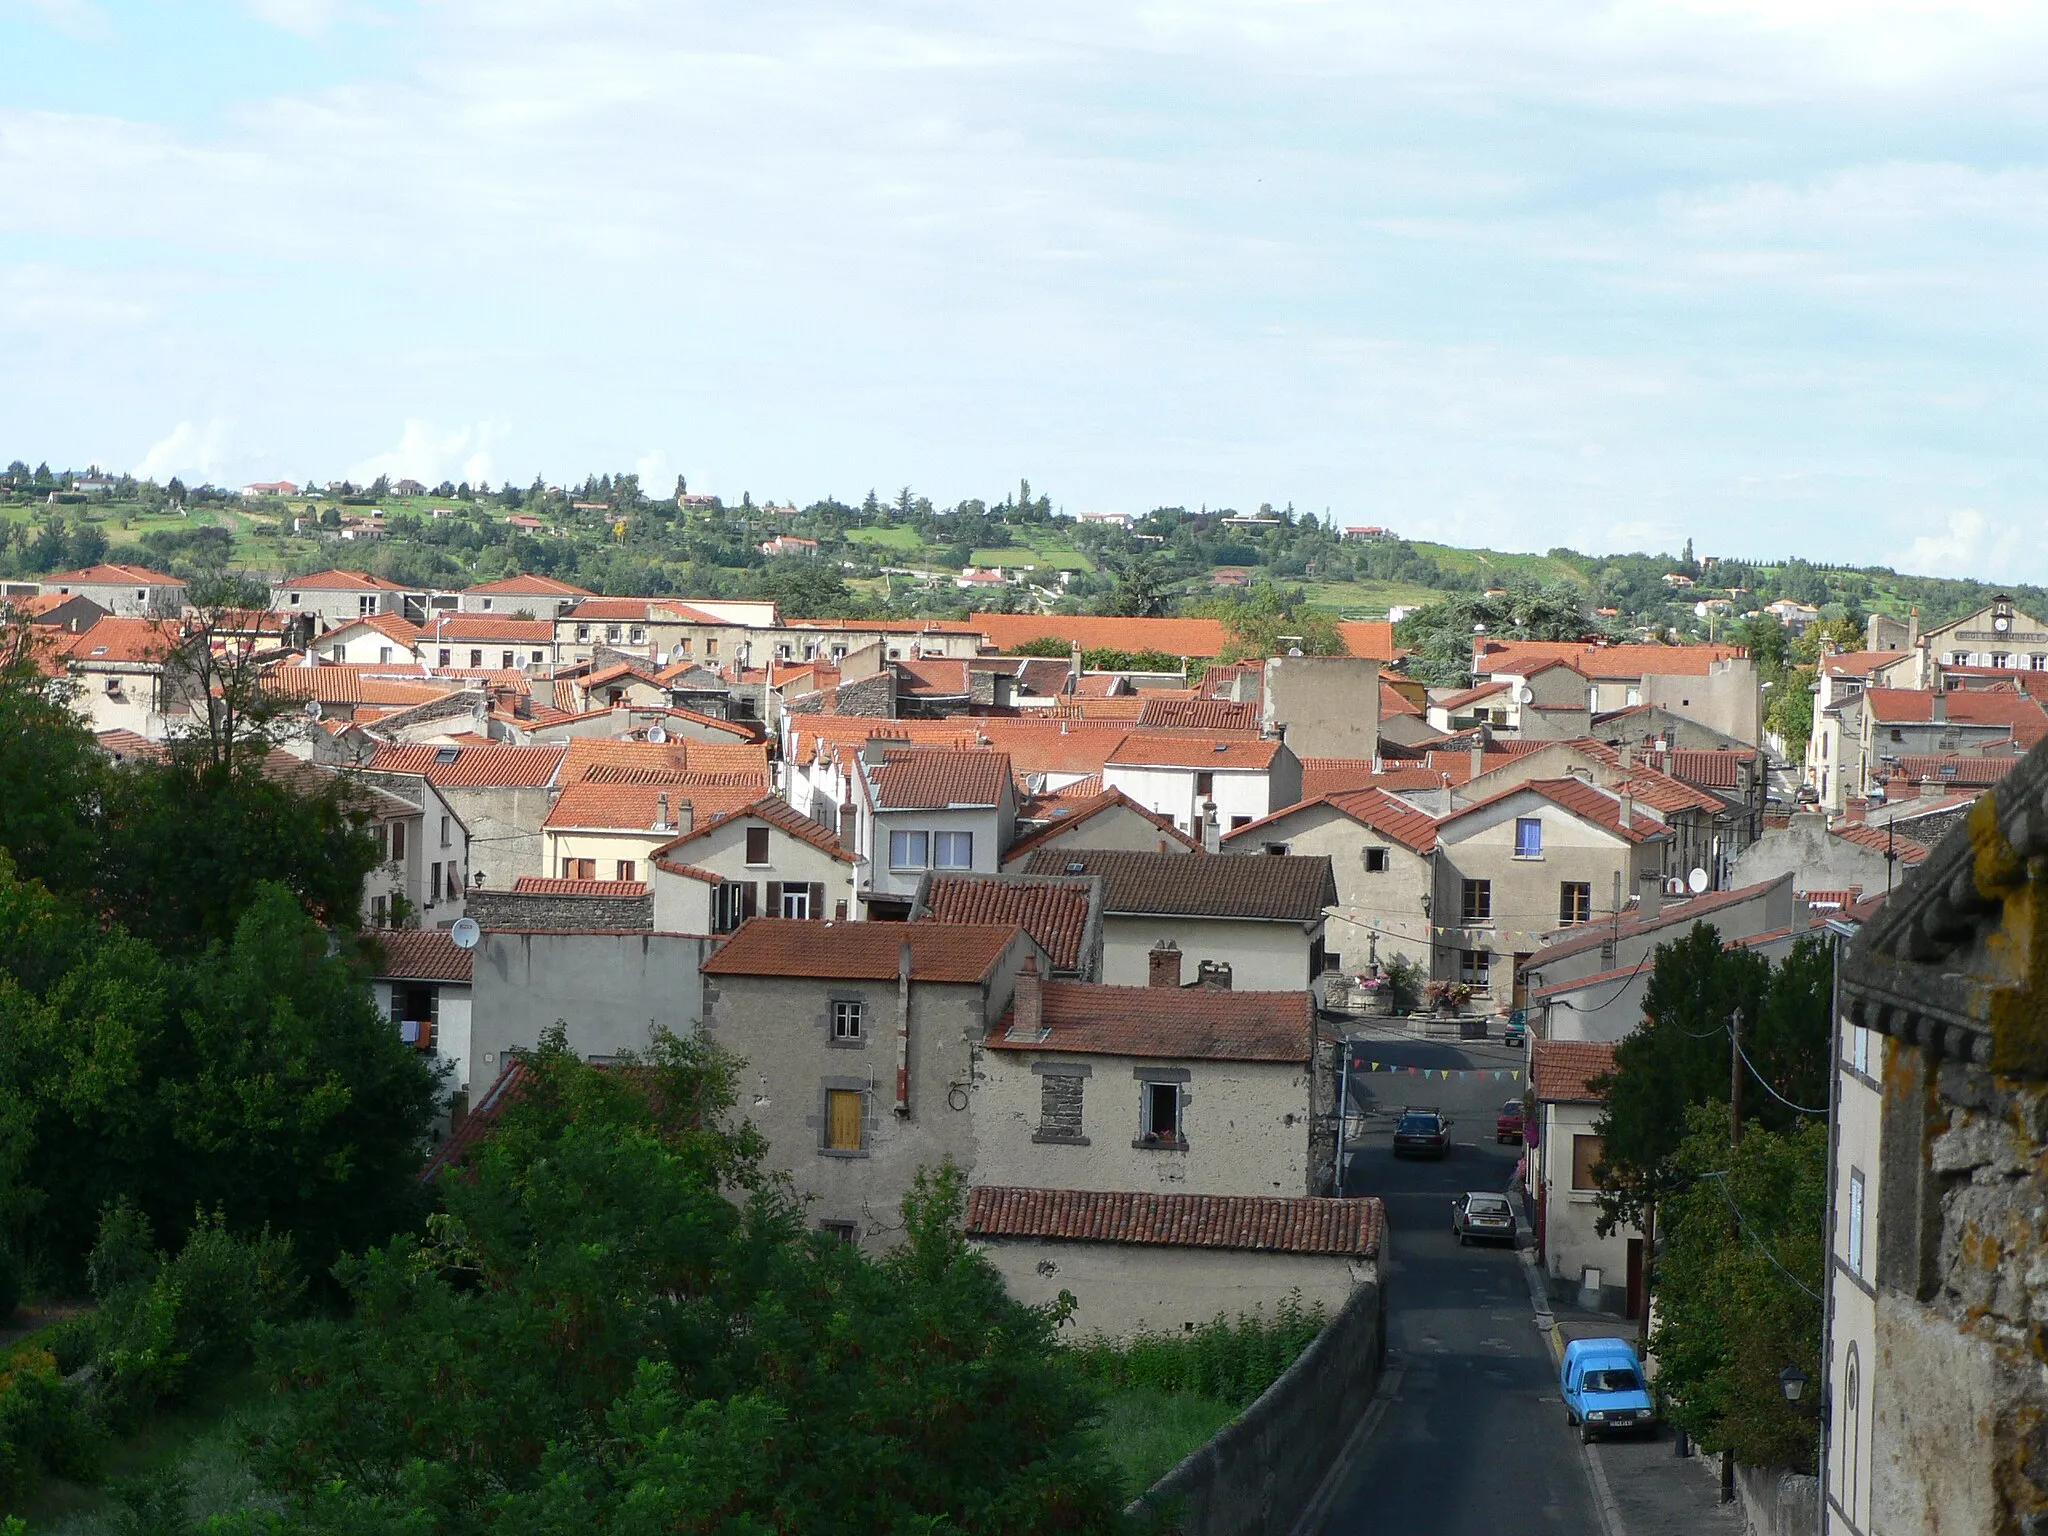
903	1030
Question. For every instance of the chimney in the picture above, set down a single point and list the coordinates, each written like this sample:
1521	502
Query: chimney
1074	668
1028	1017
1913	627
849	823
1478	758
686	817
1937	707
1213	975
1628	754
1628	805
661	811
1212	831
1163	965
1650	905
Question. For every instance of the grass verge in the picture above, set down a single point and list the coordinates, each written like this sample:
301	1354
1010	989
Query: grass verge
1146	1433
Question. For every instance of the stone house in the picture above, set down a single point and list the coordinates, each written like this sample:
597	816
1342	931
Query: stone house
1164	1263
379	639
921	809
539	597
1189	1089
129	591
336	598
501	793
608	825
1940	1424
472	641
1260	923
1109	820
765	859
422	984
861	1043
129	676
1524	862
1063	914
1380	849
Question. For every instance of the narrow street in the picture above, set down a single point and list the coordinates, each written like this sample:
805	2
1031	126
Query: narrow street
1474	1442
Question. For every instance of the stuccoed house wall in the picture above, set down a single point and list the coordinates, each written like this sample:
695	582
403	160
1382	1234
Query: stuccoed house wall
611	990
1246	1125
1263	956
1379	913
1954	971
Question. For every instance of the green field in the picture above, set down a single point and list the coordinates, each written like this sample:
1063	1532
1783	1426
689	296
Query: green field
1146	1433
1493	562
1367	599
903	540
1047	557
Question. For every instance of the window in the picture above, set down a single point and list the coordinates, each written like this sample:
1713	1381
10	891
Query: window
446	657
1574	902
383	654
2038	662
711	646
1586	1153
398	840
842	1119
1239	821
447	823
1853	1238
434	884
908	850
1897	734
611	631
294	601
795	902
626	869
378	906
952	850
683	646
582	631
2001	659
849	1020
485	603
1475	967
365	606
536	658
1375	861
639	634
579	869
1528	837
1205	785
1277	850
1161	1111
731	904
844	1231
476	657
454	880
506	660
757	845
1477	902
1859	1049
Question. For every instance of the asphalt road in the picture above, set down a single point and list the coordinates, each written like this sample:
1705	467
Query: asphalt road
1474	1442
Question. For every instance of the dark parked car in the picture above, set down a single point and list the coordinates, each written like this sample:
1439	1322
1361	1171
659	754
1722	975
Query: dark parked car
1422	1133
1477	1214
1507	1125
1515	1031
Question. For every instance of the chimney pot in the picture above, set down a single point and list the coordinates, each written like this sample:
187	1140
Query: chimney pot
1478	758
1163	965
849	822
661	812
1214	975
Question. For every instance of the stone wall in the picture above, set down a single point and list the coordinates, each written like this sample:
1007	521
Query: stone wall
874	696
518	909
1259	1473
1777	1503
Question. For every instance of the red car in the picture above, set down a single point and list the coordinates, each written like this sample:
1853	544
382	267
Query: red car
1507	1125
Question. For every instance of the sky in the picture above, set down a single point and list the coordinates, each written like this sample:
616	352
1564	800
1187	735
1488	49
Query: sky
1767	274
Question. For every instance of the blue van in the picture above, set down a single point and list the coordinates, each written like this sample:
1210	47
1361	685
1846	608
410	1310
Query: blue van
1604	1388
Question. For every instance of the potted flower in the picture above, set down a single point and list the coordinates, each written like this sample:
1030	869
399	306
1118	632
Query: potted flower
1375	992
1447	997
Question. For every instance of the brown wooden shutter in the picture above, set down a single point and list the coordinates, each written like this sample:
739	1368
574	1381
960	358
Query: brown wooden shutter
775	898
817	907
843	1131
748	889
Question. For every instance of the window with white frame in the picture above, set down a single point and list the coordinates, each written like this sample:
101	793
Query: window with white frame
849	1020
1475	967
909	850
952	850
1528	837
796	902
1852	1237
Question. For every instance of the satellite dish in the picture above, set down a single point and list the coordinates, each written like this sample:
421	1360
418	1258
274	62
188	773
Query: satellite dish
464	932
312	709
1525	694
1696	882
656	734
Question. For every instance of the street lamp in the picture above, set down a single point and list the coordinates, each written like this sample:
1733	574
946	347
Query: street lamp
1792	1382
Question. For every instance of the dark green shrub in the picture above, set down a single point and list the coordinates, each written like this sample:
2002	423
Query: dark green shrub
44	1428
1231	1361
10	1282
73	1342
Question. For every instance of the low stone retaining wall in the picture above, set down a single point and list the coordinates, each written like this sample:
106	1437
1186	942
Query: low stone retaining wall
1778	1503
1260	1471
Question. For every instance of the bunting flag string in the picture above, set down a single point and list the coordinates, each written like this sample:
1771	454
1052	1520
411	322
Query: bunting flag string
1498	1074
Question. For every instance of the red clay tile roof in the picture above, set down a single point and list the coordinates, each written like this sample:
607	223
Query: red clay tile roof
1258	1223
338	581
1198	715
1954	768
482	1119
489	629
121	745
586	754
634	807
1394	702
1598	806
1561	1070
536	586
1034	745
777	812
1860	663
1389	815
1673	914
939	952
1610	663
1054	912
1368	639
484	767
1471	696
553	885
109	575
111	639
1968	706
1065	819
928	779
1191	1023
1717	768
1154	749
1286	888
425	954
1327	775
1882	840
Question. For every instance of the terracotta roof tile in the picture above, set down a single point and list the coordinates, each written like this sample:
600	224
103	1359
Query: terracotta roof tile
553	885
636	807
1256	1223
483	767
1955	768
1600	807
1054	912
1198	714
1968	706
534	586
339	581
1327	775
932	779
1067	817
1562	1070
586	754
1385	813
1154	749
112	639
1520	658
1882	840
489	629
1190	1023
110	575
1034	745
843	951
425	954
1286	888
1673	914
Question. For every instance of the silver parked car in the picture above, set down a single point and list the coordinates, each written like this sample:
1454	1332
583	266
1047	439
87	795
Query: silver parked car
1478	1214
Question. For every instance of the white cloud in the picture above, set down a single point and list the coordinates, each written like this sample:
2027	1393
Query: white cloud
75	18
430	454
192	452
305	18
1971	544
